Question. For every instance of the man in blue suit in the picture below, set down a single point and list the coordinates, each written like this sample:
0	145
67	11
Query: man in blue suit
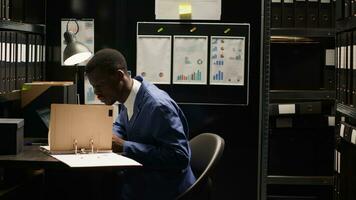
150	129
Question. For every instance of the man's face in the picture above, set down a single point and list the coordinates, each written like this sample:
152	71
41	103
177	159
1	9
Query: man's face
107	87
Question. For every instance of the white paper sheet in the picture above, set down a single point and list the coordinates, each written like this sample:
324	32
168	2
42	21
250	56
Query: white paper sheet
154	58
190	59
96	160
227	60
201	9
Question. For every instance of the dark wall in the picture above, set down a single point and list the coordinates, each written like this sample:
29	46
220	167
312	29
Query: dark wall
115	27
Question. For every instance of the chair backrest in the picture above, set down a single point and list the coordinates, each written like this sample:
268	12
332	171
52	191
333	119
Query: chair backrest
207	149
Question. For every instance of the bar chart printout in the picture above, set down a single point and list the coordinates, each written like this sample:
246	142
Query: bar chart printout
190	60
227	60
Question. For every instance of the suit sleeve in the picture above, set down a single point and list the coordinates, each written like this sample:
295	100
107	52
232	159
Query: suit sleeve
119	128
170	149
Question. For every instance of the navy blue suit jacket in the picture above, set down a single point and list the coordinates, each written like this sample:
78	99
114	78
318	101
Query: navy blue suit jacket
156	136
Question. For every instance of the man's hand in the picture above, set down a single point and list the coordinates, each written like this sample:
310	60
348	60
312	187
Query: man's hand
117	143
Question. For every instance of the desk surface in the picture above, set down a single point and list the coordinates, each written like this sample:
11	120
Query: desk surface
31	156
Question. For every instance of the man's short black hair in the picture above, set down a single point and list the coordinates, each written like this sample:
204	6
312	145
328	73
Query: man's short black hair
107	60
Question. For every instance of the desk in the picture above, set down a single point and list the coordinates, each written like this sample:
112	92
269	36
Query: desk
30	157
62	182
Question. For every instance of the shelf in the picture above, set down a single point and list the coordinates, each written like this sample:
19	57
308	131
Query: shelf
300	180
303	32
346	24
302	95
346	110
17	26
11	96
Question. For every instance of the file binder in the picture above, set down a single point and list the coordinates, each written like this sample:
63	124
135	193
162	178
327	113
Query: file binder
333	9
312	13
21	63
30	71
2	63
7	61
325	13
343	69
12	61
300	13
76	127
353	8
354	70
276	18
288	13
347	8
17	10
338	61
339	10
348	67
81	136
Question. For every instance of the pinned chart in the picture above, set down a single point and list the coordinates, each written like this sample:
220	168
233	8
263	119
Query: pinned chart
154	58
190	60
207	63
227	60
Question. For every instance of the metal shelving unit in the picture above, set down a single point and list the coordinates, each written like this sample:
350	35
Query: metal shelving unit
302	95
11	96
303	32
300	180
25	27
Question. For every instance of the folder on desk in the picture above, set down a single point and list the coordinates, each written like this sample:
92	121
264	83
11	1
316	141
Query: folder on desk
80	127
81	136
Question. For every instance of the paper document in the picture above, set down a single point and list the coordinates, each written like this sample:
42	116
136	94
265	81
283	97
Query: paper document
154	58
190	60
96	160
227	60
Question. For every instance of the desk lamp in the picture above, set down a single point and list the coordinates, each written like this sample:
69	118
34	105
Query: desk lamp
75	52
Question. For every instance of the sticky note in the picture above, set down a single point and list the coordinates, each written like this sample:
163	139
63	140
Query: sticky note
185	10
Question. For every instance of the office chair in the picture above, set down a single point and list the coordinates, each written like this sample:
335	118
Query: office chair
207	149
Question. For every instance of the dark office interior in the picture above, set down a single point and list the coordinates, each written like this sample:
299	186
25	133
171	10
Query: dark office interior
288	122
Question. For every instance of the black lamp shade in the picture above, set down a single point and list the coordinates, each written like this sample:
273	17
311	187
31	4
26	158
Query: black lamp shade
75	52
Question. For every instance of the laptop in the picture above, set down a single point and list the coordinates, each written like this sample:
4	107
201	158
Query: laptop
81	128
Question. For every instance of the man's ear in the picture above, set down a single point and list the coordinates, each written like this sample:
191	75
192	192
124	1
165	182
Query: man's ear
120	74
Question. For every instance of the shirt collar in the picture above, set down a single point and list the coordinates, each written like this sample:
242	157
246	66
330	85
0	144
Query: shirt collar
130	101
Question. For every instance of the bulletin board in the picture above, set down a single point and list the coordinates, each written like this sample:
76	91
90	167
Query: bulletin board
196	63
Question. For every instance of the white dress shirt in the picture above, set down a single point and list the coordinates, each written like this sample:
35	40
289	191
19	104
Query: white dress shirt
130	101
